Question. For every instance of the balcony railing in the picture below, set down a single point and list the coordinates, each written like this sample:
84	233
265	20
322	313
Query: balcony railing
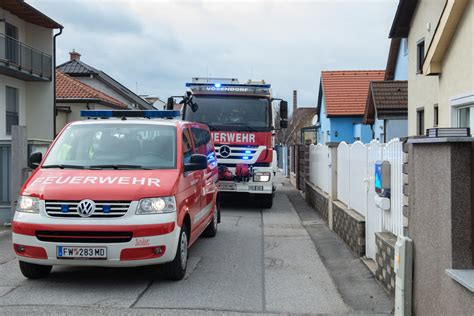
23	58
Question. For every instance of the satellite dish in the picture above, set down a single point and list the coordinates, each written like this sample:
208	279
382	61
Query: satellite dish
314	121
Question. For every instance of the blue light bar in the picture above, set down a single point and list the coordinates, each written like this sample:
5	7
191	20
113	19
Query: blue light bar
130	113
248	151
246	158
190	84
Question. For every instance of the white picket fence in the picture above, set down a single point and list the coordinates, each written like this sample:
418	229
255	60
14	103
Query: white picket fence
319	167
355	183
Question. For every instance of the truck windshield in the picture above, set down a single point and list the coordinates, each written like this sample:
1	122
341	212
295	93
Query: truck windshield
231	113
114	146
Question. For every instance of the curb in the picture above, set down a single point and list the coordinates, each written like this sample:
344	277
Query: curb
5	233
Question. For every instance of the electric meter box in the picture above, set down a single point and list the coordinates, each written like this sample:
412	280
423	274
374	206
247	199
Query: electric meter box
382	178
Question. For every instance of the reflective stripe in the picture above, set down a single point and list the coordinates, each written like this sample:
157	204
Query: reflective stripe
202	213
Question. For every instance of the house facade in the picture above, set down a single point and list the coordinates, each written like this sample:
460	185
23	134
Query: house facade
101	81
73	96
341	105
26	82
441	77
387	102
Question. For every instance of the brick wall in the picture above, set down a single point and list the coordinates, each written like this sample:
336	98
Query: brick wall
350	226
384	258
318	200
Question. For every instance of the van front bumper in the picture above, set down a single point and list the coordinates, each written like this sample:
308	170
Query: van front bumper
38	243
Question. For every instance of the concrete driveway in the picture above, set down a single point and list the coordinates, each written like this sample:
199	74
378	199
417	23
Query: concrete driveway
262	261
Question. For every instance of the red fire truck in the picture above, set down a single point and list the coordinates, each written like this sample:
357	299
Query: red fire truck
241	120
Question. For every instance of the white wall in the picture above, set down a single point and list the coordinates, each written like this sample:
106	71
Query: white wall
99	85
21	86
422	90
36	99
75	114
457	77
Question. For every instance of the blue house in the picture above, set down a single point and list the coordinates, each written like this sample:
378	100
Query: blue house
342	101
387	104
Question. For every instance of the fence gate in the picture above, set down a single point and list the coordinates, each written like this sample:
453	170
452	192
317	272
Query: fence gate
373	220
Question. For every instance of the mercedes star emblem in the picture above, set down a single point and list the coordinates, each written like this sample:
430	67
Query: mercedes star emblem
224	151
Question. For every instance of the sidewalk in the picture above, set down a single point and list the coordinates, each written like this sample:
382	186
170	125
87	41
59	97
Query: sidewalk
4	231
353	280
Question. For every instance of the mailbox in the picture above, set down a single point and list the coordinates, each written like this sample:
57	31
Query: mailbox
382	185
382	178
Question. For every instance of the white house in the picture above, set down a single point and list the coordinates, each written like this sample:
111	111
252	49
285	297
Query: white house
27	41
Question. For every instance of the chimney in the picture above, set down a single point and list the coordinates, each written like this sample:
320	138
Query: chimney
75	55
295	101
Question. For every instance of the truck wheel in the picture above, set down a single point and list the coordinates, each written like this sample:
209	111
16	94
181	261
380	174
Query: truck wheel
34	271
176	269
211	230
266	200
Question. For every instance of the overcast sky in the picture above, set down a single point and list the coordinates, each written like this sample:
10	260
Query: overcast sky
157	46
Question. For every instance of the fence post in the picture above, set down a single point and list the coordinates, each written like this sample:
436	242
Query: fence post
332	180
19	166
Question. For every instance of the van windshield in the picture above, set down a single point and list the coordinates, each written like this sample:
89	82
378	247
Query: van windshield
114	146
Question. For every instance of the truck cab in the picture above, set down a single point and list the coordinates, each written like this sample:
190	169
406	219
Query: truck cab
241	120
118	190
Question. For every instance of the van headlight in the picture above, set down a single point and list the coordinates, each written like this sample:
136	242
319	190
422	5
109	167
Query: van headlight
159	205
27	204
261	177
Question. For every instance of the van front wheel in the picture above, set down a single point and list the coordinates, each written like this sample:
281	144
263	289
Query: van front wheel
176	269
34	271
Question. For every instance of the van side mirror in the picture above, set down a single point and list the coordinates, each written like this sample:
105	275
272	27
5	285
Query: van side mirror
196	162
170	103
283	124
284	110
35	160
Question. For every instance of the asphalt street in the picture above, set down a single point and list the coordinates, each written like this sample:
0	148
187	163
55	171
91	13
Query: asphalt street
261	261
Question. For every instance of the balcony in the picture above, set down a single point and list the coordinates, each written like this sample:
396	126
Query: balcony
24	62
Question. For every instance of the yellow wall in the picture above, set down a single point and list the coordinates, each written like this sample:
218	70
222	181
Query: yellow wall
457	77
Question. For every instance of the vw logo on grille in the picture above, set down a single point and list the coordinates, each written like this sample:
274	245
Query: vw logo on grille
224	151
86	208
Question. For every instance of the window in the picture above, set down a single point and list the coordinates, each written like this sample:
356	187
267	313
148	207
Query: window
103	146
12	46
420	55
435	115
187	146
231	113
464	117
11	108
202	141
405	46
420	119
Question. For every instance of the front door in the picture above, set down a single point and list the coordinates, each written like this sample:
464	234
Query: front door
194	186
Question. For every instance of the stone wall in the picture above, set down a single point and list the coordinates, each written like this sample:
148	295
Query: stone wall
318	200
385	258
303	166
350	226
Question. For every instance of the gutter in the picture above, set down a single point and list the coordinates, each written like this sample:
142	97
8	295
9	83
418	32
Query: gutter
54	79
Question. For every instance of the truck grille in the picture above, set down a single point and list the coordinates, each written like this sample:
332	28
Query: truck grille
83	237
233	152
103	209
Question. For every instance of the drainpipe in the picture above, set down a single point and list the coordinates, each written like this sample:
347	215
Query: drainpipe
54	79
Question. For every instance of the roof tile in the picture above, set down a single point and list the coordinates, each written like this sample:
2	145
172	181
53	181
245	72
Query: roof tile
68	88
345	92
